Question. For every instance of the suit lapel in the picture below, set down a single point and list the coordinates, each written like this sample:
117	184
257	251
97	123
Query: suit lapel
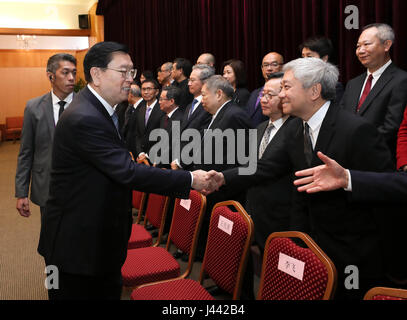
380	84
326	133
49	113
356	91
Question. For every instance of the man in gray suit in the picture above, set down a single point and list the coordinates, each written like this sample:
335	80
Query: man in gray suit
40	117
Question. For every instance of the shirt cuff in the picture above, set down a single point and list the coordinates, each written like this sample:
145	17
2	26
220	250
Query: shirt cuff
177	163
349	187
192	178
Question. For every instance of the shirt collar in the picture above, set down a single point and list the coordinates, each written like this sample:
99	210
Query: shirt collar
214	116
107	106
152	105
172	112
199	99
279	122
55	99
316	120
380	71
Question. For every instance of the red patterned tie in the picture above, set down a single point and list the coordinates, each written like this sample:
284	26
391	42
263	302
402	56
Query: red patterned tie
365	93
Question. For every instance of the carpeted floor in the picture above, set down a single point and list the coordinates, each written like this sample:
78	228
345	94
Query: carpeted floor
21	267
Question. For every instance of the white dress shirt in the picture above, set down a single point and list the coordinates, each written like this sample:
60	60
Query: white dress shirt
56	106
376	76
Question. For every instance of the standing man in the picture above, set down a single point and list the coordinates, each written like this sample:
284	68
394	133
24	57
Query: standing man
40	117
380	94
272	63
86	224
164	78
347	232
181	69
206	58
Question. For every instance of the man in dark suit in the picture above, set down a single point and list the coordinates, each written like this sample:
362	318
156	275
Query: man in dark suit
272	63
181	69
346	232
380	94
40	116
195	116
125	109
146	118
86	224
269	204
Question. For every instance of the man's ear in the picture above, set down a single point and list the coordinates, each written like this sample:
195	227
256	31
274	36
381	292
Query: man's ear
95	75
387	45
316	90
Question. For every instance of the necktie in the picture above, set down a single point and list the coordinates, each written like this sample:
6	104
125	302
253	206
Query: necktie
192	108
166	119
265	140
148	110
308	150
61	108
365	93
115	119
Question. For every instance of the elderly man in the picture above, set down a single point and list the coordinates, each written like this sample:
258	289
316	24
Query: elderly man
164	75
380	94
40	117
345	231
86	225
272	63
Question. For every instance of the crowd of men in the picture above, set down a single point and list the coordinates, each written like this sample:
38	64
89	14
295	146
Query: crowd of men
303	118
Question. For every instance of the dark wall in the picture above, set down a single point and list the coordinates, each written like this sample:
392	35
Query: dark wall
161	30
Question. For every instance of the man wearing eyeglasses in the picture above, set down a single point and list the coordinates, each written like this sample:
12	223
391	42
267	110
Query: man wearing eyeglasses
86	225
272	63
40	117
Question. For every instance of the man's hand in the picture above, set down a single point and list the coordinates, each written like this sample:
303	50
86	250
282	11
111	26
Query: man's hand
174	165
23	207
200	180
327	177
216	180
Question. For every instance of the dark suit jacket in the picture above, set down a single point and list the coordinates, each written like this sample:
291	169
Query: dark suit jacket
241	96
87	224
255	114
138	138
347	232
384	106
269	203
186	96
199	119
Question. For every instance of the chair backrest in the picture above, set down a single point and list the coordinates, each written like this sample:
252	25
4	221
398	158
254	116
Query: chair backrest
291	272
229	239
139	198
186	224
156	212
14	122
382	293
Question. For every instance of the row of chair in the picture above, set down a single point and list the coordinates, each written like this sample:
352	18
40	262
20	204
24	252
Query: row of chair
293	268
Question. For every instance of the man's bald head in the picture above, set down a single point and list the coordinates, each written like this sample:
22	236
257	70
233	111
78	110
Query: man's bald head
272	63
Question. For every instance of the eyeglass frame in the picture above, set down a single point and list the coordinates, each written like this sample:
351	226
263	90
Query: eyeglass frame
267	96
125	73
273	64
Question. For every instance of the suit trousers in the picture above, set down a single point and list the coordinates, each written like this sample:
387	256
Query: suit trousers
81	287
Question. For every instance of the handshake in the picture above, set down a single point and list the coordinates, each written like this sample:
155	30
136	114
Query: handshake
207	182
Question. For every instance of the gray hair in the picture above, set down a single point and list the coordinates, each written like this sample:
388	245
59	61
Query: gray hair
135	91
217	82
311	71
206	71
384	31
167	66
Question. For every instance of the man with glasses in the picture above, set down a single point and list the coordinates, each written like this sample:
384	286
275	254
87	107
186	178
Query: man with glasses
40	117
86	225
164	76
272	63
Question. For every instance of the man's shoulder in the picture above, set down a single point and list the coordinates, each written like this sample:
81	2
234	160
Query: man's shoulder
38	100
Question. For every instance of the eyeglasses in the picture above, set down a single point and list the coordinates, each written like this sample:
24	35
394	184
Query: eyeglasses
148	89
126	73
267	95
273	64
161	99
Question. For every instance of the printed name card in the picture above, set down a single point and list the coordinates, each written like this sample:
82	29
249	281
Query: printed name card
291	266
225	225
186	203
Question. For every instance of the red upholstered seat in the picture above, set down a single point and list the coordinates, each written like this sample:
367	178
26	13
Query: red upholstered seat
382	293
156	212
139	238
319	275
136	200
229	239
179	289
149	264
155	263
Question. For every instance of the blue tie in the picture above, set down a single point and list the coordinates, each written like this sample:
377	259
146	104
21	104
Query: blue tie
115	119
192	108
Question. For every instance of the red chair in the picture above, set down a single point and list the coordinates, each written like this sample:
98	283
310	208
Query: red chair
381	293
156	263
138	202
281	277
226	254
156	212
13	128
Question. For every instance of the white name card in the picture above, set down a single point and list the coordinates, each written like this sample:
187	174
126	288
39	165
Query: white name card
291	266
225	225
186	203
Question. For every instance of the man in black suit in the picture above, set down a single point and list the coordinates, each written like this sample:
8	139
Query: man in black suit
195	116
272	63
181	69
269	204
380	94
146	118
86	224
346	232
